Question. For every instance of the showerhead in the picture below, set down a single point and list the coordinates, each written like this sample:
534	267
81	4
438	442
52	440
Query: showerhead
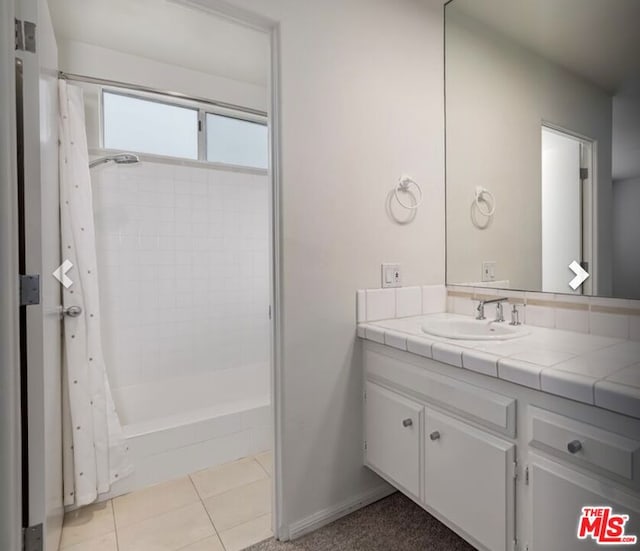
118	158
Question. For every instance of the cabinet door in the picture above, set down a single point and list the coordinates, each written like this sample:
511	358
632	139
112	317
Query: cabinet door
469	480
558	495
392	434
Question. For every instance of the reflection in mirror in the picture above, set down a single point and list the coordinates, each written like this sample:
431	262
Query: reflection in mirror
543	145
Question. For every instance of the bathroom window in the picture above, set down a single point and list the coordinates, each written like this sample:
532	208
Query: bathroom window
149	126
237	141
184	129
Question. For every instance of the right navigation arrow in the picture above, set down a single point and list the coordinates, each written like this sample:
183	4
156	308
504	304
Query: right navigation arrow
581	275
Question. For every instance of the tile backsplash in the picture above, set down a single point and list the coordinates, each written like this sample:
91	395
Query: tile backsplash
379	304
608	317
183	267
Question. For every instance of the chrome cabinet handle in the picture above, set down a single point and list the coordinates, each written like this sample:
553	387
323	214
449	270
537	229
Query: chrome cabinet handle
574	446
407	422
72	311
435	435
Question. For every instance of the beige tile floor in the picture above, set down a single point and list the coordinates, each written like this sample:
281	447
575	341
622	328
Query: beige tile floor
224	508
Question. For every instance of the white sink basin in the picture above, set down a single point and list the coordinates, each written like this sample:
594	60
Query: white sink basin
473	330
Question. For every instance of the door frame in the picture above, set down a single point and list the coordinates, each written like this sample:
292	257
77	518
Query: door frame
589	195
271	28
10	438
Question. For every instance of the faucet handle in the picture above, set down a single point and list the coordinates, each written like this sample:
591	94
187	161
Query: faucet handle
515	314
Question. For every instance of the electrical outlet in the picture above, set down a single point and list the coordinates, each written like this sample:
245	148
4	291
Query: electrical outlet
489	270
391	276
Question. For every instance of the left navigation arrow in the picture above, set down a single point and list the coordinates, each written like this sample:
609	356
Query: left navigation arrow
60	273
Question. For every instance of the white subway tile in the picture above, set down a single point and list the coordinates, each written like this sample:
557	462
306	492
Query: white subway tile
461	305
375	334
568	384
572	320
162	254
519	372
480	362
419	346
447	353
609	325
617	397
395	339
539	316
434	299
408	301
381	304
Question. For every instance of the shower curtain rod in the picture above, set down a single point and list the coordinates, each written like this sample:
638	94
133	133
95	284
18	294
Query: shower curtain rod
148	89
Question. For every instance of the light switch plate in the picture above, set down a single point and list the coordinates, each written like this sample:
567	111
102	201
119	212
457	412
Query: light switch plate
391	276
489	270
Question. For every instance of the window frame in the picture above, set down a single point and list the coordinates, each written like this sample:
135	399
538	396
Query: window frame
202	110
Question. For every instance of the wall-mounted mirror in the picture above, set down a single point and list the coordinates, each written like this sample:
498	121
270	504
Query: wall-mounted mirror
543	145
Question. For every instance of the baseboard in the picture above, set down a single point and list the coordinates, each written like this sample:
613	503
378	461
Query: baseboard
330	514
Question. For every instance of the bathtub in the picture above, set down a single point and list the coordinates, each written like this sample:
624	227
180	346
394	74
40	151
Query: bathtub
178	426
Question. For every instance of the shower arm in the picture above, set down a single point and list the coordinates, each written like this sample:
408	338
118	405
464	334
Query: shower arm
120	159
99	161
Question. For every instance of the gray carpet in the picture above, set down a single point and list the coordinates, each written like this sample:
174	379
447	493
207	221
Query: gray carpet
392	524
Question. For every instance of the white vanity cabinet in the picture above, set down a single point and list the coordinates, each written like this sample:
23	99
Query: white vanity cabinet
558	493
573	464
469	479
392	435
450	439
456	469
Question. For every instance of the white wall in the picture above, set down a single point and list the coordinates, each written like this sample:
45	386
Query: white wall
362	103
95	61
498	95
626	236
184	270
626	133
626	193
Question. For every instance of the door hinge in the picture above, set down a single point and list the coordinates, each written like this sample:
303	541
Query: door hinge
526	475
19	37
29	289
25	36
515	470
584	173
32	538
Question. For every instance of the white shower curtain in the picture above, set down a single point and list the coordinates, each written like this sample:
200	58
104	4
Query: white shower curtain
95	453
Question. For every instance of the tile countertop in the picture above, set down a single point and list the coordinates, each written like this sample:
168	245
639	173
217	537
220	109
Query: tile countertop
602	371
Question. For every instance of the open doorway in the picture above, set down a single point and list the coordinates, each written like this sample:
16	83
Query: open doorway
567	209
177	119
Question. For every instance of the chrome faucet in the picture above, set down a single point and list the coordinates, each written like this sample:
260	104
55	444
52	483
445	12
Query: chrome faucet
499	310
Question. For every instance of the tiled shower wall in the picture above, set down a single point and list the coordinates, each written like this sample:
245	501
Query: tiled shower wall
183	268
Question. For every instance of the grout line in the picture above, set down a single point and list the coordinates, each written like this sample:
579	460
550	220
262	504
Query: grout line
255	458
115	524
262	467
213	524
195	487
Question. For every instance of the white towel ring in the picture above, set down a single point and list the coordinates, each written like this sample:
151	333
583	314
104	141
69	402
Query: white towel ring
480	198
403	185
